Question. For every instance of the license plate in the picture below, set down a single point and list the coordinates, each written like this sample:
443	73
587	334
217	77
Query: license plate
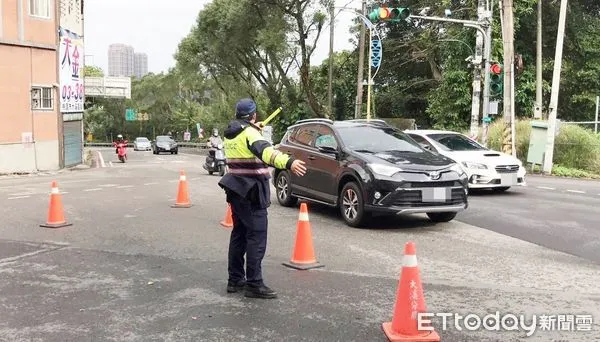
508	179
435	194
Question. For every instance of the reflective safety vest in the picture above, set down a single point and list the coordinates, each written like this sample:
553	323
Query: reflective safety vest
249	154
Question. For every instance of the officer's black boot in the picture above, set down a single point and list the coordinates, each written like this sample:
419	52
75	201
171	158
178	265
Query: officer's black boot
259	291
235	286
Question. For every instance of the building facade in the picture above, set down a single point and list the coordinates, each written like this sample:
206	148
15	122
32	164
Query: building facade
120	60
32	131
140	64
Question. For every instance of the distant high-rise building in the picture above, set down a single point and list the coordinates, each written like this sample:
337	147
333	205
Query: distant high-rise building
120	60
140	64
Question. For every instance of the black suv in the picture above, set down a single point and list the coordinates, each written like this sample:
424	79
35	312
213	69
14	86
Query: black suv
364	167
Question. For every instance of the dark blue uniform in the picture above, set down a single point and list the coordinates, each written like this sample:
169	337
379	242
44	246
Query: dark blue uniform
247	188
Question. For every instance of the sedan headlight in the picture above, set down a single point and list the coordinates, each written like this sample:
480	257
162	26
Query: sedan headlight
384	170
470	165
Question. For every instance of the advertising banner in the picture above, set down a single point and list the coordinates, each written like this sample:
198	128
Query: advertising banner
71	72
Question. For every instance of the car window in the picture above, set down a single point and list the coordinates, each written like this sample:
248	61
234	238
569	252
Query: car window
163	138
142	139
456	142
377	139
421	140
325	137
304	135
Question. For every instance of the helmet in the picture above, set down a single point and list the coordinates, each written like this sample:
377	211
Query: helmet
245	108
120	137
215	132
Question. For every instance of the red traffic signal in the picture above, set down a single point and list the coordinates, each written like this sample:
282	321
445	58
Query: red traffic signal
496	69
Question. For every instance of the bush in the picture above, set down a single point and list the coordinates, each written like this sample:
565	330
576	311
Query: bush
523	131
578	148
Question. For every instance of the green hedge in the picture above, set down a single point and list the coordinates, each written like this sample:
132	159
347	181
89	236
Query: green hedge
575	147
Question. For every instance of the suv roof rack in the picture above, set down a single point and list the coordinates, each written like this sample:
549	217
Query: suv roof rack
315	120
371	121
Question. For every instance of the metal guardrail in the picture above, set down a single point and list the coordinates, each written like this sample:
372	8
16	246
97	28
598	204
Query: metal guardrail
179	144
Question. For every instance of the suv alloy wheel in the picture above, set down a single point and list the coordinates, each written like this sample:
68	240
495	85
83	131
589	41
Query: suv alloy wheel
284	190
352	205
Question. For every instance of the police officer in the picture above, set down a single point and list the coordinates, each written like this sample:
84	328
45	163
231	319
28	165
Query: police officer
247	188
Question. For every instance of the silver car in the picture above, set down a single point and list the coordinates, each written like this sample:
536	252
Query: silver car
142	144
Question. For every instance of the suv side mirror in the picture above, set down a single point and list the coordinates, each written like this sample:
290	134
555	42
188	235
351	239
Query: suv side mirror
328	150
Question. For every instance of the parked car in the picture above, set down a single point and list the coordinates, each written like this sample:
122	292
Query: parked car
142	144
164	143
487	169
367	167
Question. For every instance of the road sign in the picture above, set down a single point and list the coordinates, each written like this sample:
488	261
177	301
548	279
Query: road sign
130	114
143	116
187	136
487	119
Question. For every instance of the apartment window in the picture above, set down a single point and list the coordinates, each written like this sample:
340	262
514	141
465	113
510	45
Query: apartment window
39	8
42	98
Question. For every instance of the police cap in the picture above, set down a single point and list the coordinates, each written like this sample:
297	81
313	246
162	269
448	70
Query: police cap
245	108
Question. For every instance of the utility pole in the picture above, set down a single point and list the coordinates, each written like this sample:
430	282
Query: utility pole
330	81
508	41
549	155
477	72
537	113
361	64
487	52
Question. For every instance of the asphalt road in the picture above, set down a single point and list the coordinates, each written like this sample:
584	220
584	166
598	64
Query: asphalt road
133	269
559	213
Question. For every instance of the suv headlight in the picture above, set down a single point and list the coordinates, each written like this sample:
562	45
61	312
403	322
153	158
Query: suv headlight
470	165
459	169
384	170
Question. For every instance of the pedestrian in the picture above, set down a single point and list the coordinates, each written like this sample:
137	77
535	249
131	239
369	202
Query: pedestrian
247	188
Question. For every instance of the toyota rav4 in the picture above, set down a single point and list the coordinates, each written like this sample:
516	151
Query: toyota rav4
366	167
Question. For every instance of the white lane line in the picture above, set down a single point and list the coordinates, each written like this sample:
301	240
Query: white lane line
17	197
152	183
94	189
108	185
125	186
174	180
577	191
110	163
197	178
102	164
546	188
21	194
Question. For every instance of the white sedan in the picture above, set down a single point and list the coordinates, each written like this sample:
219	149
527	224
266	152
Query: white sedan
487	169
142	144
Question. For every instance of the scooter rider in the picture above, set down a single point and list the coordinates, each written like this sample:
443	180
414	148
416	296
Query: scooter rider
213	142
119	141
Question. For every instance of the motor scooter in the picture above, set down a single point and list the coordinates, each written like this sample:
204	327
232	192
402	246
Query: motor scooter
121	150
216	161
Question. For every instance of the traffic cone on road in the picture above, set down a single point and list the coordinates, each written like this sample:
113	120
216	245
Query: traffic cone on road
228	220
409	302
183	197
56	215
303	256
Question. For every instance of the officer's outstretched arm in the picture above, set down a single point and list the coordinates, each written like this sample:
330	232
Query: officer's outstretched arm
263	150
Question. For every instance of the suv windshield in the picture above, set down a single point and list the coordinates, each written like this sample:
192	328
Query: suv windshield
456	142
375	140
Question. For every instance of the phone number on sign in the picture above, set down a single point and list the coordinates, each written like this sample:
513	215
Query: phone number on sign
75	91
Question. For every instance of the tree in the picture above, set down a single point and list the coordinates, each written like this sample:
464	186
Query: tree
92	71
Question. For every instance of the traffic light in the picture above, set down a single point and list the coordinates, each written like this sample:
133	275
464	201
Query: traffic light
496	79
393	14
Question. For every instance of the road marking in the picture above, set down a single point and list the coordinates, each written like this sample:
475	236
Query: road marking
577	191
94	189
110	163
152	183
108	185
174	180
125	186
18	197
197	178
102	164
21	194
546	188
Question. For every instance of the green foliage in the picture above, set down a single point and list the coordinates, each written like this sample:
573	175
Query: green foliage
92	71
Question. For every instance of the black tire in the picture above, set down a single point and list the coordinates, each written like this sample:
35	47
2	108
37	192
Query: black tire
221	170
210	173
441	217
177	151
283	190
352	205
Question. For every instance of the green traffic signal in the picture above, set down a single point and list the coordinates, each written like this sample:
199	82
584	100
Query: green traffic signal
393	14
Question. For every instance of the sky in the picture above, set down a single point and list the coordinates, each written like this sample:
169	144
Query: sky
157	26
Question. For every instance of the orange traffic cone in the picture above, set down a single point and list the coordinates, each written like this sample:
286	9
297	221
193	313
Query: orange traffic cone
409	302
228	220
303	257
56	215
183	197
